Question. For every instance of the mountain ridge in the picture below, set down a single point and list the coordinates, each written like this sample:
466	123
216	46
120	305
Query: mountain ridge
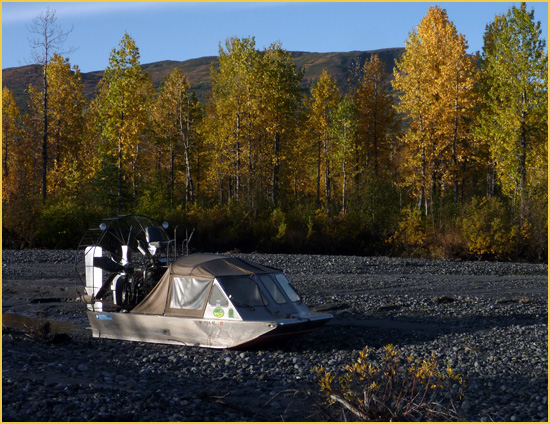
197	70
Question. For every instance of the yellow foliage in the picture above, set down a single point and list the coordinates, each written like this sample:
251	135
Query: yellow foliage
489	229
437	79
399	389
411	231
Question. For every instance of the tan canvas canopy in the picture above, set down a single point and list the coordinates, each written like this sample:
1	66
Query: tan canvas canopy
183	289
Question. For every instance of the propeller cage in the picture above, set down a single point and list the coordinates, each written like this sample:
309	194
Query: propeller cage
124	257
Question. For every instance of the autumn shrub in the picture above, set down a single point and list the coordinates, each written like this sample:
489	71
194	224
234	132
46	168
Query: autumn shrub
444	235
62	225
535	228
489	229
348	235
447	241
153	203
214	230
301	231
394	388
269	228
410	235
20	223
278	221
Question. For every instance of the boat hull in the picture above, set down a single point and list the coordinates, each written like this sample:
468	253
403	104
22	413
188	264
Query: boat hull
198	332
288	329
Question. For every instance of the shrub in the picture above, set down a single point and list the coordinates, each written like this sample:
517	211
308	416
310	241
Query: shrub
278	220
20	224
411	230
447	242
63	224
393	389
488	228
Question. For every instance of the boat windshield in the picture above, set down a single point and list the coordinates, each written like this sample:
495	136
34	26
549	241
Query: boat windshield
243	291
272	289
287	288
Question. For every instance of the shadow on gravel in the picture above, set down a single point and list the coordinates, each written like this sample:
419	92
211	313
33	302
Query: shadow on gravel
504	393
356	333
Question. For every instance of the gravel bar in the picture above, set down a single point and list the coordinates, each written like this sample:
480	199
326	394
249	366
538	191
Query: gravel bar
487	320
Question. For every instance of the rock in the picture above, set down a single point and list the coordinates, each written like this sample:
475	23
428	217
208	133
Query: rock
7	339
489	343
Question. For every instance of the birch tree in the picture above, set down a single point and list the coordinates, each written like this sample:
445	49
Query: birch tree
514	89
176	113
278	105
325	98
48	39
232	115
123	109
436	77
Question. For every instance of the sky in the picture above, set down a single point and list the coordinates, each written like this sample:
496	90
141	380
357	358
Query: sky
188	30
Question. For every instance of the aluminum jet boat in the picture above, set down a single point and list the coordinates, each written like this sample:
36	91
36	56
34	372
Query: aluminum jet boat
135	291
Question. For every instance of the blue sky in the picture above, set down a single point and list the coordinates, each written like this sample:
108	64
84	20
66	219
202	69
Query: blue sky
180	30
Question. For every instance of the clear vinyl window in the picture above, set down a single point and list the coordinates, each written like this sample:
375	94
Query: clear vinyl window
189	293
243	291
272	289
287	288
217	298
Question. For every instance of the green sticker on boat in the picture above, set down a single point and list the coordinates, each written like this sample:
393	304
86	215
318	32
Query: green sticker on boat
231	314
218	312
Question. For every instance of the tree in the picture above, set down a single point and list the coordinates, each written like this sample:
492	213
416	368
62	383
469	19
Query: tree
376	115
21	193
11	130
280	99
514	89
123	105
233	115
461	107
436	77
49	39
66	117
176	113
325	98
344	131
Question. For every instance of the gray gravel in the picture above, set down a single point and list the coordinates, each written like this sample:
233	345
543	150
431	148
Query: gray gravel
488	321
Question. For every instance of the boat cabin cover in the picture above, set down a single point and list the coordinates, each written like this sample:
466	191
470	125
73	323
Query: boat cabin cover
191	280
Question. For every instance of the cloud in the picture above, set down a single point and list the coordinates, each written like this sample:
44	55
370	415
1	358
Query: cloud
13	13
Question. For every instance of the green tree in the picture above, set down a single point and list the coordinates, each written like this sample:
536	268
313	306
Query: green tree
123	102
232	114
278	106
514	89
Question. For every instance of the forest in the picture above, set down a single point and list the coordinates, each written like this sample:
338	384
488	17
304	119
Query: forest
446	157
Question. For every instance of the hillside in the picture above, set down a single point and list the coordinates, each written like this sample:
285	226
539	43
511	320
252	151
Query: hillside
198	71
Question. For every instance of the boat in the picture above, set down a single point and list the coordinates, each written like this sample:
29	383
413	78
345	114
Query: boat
137	290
